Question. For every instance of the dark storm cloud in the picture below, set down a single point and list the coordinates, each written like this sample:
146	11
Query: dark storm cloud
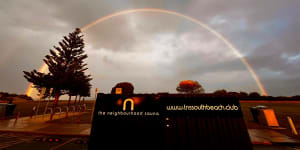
255	11
266	32
123	33
283	85
28	30
248	23
279	55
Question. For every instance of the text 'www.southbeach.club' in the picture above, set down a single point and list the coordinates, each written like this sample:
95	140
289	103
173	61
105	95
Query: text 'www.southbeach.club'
202	107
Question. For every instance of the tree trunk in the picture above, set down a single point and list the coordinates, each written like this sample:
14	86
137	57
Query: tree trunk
75	100
69	100
79	100
56	100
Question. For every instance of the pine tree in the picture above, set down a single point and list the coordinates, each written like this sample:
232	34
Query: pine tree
66	68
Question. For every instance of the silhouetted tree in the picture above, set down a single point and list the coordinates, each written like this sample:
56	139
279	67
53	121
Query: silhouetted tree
189	86
243	94
296	97
254	95
220	92
5	95
66	68
127	88
235	94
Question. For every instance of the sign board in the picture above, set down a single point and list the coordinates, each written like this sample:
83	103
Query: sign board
270	118
168	121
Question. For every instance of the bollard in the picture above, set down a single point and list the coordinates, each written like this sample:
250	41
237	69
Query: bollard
17	117
292	125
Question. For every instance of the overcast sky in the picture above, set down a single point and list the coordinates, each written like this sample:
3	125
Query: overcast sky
155	51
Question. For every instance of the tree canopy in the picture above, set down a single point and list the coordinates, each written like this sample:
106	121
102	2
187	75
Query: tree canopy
190	86
127	88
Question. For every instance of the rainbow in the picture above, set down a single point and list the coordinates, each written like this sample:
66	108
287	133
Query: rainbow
214	32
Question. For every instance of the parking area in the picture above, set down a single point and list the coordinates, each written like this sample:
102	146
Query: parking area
17	141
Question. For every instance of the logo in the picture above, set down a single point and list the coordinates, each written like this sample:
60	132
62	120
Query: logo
118	90
128	100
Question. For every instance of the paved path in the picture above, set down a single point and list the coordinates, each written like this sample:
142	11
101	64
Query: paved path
19	141
38	125
10	139
268	137
260	101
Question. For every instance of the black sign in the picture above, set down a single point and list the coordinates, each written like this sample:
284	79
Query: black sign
168	121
